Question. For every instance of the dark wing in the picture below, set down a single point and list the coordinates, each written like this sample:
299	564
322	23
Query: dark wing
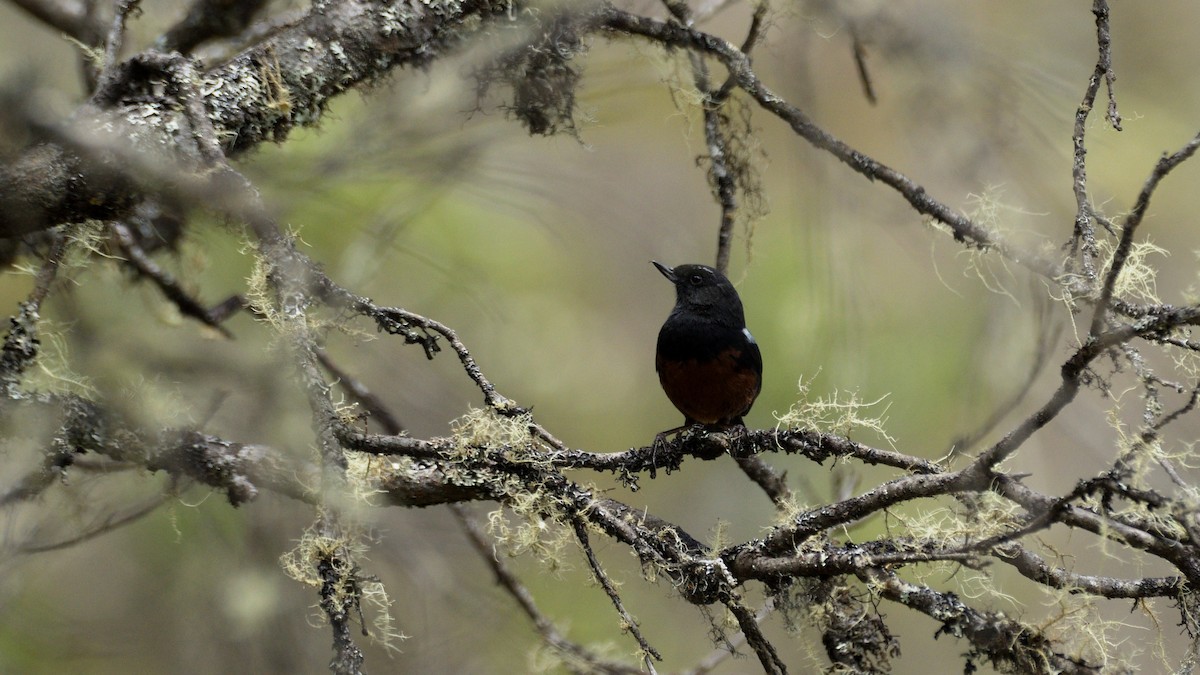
751	359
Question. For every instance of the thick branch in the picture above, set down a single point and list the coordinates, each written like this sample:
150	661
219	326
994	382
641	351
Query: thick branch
260	95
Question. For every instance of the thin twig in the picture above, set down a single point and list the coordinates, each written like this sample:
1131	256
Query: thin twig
1083	240
1163	167
964	229
721	654
111	524
720	173
766	477
758	23
360	393
767	656
140	261
1104	42
519	592
627	621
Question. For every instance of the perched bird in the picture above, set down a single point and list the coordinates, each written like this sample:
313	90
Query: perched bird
707	361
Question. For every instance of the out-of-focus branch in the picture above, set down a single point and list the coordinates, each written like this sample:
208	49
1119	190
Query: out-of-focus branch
258	96
116	40
210	19
110	524
69	16
170	288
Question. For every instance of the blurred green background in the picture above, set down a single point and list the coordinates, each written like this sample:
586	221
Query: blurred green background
537	250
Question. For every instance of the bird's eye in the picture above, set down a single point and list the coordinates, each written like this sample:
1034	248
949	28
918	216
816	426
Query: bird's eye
696	279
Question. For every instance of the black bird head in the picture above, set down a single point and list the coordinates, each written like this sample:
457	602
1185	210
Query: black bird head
704	290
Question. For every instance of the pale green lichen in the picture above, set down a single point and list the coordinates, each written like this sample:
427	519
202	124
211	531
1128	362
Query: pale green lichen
301	564
837	413
1137	278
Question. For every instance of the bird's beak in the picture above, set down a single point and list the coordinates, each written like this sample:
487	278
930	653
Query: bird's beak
666	271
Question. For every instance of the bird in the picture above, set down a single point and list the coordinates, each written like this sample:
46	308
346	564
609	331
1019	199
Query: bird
708	363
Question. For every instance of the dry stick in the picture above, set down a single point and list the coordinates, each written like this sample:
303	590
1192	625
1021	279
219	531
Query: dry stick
18	352
815	445
397	321
630	624
757	24
388	444
767	656
846	560
1164	166
888	494
524	598
288	280
1104	42
772	482
1149	435
400	322
1167	465
1083	240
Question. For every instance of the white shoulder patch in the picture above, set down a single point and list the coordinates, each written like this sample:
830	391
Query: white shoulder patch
746	332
